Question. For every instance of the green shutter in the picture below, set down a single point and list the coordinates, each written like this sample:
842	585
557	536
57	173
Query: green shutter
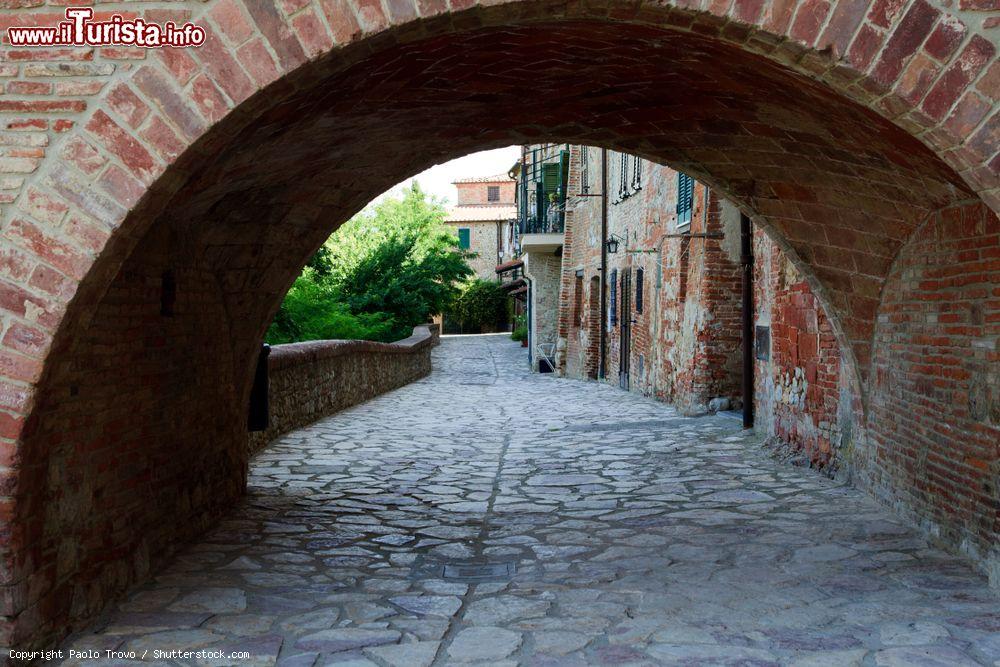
685	198
464	240
550	176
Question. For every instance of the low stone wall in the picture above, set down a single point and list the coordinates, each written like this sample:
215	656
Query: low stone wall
314	379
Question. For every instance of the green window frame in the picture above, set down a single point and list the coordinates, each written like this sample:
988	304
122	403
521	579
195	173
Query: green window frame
464	238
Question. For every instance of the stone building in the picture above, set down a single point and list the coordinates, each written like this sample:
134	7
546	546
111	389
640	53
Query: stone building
542	187
672	301
483	221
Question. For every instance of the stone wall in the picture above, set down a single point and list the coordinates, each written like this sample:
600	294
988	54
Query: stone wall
803	401
543	270
483	242
314	379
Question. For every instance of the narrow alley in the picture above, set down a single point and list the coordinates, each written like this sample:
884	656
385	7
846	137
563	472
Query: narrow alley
488	514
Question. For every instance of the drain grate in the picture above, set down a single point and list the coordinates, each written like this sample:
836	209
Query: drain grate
471	571
478	571
629	426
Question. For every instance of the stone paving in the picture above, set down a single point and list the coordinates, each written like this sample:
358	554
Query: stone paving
490	515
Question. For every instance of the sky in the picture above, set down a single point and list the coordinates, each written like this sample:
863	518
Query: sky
437	180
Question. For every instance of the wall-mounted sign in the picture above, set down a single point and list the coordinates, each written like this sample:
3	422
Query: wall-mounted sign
762	343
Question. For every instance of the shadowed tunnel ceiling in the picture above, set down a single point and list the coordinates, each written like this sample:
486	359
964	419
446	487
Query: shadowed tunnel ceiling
842	187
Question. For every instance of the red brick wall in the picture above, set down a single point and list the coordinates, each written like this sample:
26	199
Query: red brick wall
138	445
936	355
799	388
711	279
477	194
934	420
685	343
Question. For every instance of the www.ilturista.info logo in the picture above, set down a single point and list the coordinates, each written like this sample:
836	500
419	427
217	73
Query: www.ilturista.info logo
79	30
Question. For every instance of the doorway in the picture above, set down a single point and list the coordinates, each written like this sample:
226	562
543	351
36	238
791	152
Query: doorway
624	349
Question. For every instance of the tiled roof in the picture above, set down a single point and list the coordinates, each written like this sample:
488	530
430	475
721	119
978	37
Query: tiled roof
499	178
510	264
481	213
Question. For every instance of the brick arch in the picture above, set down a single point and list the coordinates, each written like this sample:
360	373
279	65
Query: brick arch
936	373
224	167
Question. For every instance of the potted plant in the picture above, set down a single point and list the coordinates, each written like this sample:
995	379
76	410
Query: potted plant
520	330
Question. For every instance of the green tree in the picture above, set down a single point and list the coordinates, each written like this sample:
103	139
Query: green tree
386	270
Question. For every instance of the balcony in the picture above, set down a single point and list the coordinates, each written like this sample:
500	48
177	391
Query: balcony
541	199
543	234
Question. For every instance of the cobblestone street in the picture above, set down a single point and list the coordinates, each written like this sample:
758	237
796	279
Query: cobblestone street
487	514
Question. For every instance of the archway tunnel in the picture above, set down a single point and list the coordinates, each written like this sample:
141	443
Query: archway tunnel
135	439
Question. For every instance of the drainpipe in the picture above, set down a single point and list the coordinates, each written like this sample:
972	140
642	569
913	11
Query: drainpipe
499	253
602	364
746	261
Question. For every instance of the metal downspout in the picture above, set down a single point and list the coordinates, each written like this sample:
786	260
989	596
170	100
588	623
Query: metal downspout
746	260
602	364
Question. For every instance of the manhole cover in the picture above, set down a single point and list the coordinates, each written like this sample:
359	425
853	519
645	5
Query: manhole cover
478	571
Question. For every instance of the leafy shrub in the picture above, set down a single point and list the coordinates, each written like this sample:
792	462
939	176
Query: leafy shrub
383	272
314	311
520	331
481	304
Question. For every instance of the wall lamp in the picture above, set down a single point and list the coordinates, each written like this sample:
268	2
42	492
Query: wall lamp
613	242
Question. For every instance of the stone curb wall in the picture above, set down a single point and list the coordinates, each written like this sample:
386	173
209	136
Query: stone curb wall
311	380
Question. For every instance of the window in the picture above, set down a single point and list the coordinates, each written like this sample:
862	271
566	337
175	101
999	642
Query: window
584	170
623	192
464	238
685	199
636	174
493	193
639	275
613	299
578	299
629	177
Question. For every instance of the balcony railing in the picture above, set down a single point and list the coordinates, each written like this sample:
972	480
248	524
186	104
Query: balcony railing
542	190
553	223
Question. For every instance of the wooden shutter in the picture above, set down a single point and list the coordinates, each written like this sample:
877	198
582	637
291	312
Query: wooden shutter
638	290
636	173
464	238
685	198
550	177
613	300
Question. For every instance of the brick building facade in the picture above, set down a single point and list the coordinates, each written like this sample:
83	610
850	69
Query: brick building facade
673	306
482	219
